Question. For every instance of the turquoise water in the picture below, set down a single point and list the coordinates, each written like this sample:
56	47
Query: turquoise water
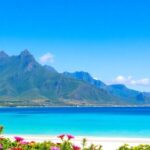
118	122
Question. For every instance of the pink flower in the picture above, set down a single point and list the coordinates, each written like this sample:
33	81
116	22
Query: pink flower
70	137
61	136
1	147
18	139
54	148
76	147
23	143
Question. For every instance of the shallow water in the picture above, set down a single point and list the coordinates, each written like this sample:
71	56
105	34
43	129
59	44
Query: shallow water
91	121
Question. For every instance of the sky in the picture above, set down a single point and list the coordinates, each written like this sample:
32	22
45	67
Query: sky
110	39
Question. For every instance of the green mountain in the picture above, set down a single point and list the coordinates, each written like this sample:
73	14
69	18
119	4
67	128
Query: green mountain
121	92
24	82
85	76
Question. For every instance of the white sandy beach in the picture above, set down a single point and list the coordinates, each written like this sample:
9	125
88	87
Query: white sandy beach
106	142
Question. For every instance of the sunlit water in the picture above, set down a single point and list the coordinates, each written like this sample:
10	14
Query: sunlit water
118	122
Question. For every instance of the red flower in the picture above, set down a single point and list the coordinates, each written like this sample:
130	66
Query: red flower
61	136
70	137
18	139
16	148
76	147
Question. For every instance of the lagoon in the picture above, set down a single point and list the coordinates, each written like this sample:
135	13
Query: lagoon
79	121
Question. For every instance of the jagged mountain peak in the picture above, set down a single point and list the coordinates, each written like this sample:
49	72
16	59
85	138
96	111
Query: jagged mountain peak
27	56
85	76
25	53
82	73
79	74
27	60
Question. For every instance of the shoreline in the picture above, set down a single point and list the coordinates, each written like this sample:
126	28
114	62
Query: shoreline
76	106
108	143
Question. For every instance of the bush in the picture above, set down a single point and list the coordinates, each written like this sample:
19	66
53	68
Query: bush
140	147
1	129
20	144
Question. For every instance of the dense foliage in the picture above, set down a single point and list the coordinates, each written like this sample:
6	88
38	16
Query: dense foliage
139	147
20	144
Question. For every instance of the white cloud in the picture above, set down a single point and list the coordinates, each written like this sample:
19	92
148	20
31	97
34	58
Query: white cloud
46	58
131	81
144	81
120	79
95	78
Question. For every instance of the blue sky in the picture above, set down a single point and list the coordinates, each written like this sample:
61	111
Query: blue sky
108	38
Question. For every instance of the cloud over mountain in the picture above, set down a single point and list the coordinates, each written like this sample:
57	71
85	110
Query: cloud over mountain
46	58
25	82
131	81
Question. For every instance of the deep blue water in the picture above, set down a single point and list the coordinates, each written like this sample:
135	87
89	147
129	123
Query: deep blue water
92	121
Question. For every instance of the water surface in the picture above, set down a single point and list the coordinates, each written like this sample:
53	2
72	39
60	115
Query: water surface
91	121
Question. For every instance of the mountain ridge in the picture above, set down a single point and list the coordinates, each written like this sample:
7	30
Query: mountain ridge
25	82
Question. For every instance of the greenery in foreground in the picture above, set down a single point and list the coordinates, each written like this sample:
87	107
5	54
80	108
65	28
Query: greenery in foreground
66	144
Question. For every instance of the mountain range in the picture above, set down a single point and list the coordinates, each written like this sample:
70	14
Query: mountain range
25	82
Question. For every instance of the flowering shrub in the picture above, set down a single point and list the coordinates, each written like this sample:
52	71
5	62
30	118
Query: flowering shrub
20	144
18	139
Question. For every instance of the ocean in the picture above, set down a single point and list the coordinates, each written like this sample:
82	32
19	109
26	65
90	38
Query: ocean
78	121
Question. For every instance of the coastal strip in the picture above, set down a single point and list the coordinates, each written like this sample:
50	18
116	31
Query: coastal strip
108	143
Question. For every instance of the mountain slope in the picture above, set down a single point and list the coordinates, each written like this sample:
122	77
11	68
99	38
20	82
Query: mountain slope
23	81
85	76
128	96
